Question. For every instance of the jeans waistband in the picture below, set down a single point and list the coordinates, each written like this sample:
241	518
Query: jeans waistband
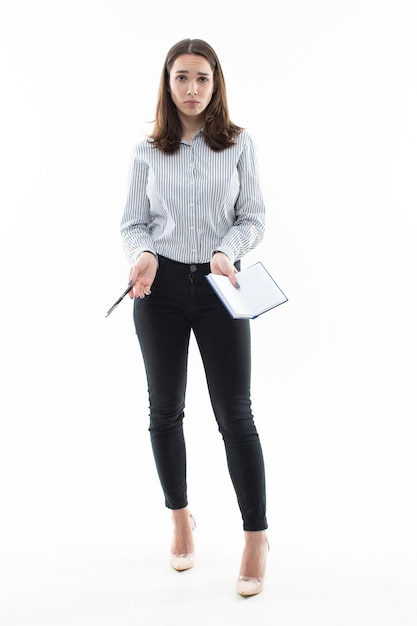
193	268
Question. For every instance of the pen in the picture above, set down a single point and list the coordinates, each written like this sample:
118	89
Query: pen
120	299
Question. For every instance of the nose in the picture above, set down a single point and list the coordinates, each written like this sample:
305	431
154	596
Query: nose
192	88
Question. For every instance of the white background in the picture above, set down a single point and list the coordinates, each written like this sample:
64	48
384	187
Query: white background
328	89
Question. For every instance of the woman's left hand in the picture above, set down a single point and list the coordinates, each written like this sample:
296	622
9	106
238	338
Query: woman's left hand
221	264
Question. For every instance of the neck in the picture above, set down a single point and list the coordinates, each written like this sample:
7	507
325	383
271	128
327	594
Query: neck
190	126
188	135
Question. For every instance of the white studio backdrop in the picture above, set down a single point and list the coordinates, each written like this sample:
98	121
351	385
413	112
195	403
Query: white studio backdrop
328	89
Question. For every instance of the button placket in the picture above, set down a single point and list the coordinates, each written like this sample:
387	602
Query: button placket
191	205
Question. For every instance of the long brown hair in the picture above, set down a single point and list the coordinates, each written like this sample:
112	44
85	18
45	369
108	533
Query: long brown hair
219	131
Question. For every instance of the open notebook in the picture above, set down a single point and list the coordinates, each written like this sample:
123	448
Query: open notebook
258	292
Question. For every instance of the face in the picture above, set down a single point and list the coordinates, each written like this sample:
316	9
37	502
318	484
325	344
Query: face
191	84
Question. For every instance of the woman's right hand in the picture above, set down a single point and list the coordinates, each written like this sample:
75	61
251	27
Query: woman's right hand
142	275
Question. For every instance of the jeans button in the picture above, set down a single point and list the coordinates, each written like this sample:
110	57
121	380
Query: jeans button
193	268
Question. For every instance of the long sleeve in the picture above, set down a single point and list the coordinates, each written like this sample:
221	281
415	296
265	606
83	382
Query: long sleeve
249	227
134	227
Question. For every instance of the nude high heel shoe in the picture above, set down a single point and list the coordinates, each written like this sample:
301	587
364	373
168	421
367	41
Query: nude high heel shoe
182	562
248	586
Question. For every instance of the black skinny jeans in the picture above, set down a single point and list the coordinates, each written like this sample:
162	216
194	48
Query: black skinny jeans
182	300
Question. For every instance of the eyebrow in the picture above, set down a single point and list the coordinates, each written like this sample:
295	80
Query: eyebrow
187	72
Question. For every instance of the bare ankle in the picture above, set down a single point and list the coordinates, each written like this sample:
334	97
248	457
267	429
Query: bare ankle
255	536
182	541
180	515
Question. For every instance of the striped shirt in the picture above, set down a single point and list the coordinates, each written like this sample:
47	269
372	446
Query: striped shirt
189	204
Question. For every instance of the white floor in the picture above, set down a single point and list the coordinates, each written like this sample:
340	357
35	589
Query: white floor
84	536
85	573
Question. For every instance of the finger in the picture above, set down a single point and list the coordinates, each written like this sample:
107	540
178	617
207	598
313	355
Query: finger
133	276
140	290
233	279
131	283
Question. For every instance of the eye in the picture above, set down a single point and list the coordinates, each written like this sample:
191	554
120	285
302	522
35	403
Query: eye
180	77
203	79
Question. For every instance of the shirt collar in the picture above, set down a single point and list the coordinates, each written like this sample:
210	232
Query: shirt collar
198	133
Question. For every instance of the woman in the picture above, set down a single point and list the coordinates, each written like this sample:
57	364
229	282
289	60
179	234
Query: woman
194	206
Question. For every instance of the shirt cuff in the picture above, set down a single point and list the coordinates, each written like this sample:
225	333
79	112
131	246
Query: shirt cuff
227	251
